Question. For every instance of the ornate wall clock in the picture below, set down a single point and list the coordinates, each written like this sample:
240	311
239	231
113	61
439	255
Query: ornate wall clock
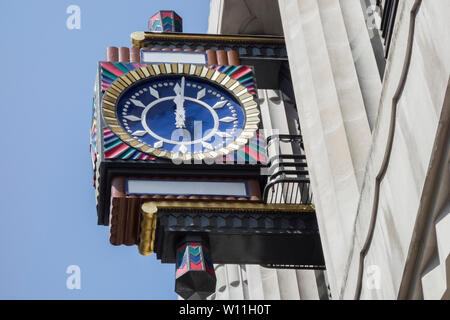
181	111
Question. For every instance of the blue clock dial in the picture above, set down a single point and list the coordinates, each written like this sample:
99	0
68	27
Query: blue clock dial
180	114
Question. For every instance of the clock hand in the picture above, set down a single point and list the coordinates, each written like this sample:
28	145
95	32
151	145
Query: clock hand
179	101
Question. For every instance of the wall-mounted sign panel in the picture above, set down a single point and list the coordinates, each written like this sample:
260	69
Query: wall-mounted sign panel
150	56
187	187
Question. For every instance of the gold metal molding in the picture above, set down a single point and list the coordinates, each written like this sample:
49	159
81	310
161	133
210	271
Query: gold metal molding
138	38
148	228
150	209
225	206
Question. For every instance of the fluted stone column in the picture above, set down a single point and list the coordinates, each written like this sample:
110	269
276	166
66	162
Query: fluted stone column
363	56
232	283
333	120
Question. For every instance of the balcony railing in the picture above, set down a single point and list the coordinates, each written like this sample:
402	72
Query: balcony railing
288	178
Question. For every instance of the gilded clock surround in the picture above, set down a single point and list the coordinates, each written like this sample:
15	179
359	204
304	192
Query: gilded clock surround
241	93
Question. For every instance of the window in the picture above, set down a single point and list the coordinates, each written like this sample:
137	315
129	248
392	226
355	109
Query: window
388	14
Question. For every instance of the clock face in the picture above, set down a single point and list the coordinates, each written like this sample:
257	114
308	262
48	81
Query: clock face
182	115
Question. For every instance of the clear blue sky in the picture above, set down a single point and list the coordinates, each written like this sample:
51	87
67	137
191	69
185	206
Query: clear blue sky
47	206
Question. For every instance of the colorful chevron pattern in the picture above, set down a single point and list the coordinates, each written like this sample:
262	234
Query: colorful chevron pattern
165	21
178	23
113	70
193	256
110	71
117	149
253	152
93	142
243	74
155	23
209	266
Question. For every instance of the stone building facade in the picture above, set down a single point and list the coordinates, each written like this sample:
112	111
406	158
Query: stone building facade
370	96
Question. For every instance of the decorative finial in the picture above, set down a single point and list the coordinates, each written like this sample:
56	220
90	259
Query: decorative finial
165	21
